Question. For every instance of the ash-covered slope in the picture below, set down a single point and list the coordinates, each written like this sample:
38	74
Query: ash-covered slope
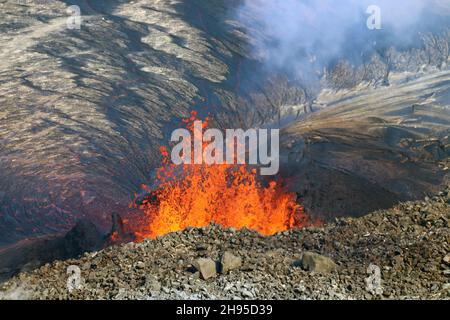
83	112
370	148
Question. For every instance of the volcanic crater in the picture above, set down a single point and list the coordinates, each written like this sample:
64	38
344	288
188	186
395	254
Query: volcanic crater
86	116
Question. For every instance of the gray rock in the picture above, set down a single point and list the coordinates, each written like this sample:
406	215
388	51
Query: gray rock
201	247
247	294
314	262
446	259
229	262
206	267
152	284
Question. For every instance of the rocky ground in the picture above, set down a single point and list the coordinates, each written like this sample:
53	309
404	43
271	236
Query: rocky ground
410	244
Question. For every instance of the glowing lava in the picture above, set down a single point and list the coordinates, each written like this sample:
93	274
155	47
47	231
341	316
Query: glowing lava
229	195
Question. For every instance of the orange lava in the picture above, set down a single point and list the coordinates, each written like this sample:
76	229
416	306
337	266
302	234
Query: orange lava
229	195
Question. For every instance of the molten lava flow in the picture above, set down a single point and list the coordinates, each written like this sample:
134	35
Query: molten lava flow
229	195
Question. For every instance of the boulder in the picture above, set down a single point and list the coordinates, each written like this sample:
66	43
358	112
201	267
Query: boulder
314	262
206	267
229	262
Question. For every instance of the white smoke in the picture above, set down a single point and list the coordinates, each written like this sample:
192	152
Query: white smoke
297	33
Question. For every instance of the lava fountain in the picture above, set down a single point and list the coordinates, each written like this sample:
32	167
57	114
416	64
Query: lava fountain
231	195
